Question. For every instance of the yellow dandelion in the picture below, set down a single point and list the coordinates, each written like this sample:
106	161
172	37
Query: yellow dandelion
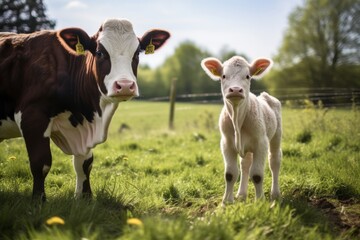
55	220
134	221
11	158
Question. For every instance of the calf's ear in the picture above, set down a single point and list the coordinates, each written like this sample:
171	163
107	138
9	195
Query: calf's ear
212	67
260	67
153	40
76	41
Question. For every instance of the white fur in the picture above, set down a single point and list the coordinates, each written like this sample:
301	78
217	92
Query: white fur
78	162
81	139
249	126
120	41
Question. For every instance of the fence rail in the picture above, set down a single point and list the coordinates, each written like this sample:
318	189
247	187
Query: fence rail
330	97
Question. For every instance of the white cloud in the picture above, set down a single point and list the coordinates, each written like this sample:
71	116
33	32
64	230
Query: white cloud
76	5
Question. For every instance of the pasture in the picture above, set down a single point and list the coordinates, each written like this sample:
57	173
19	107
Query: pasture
169	183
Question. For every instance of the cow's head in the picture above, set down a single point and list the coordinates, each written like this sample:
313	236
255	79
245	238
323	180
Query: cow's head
235	75
115	49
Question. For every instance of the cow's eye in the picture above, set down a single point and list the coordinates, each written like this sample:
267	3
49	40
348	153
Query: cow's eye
223	76
99	54
247	76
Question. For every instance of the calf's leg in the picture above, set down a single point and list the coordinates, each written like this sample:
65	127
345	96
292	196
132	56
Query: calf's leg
82	166
231	172
275	155
245	164
257	171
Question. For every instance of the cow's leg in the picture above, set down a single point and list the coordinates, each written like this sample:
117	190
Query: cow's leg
257	170
245	164
82	166
33	125
274	163
231	171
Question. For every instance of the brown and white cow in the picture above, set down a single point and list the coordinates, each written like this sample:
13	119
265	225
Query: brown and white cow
65	86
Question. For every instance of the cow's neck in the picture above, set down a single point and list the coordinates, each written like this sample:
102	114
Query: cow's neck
237	114
87	102
108	109
84	89
87	87
80	139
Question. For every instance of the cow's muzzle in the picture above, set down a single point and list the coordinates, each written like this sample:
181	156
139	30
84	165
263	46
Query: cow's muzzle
124	90
235	95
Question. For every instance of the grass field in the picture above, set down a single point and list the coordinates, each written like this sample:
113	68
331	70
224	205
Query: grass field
150	182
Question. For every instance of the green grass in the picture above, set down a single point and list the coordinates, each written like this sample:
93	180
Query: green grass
172	180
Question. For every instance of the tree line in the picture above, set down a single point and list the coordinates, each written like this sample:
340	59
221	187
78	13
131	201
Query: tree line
320	49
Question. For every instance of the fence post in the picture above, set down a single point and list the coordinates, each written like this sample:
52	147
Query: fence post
172	103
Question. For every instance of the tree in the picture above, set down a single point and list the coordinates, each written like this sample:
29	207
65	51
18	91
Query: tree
184	65
321	45
189	77
24	16
151	83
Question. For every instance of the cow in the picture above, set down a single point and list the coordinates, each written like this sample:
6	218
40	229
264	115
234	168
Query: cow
250	126
65	86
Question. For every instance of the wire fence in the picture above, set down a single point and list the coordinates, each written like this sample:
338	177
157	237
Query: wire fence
293	97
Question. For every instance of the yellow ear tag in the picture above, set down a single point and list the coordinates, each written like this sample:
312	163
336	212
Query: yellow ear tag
213	71
79	48
150	49
257	71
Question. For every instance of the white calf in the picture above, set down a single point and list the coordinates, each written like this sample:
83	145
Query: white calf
248	125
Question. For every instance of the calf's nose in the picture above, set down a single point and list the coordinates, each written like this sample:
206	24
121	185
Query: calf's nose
124	87
236	90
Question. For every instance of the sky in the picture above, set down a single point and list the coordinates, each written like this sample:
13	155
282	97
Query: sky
252	27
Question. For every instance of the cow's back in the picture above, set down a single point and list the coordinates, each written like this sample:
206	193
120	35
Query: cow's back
271	108
25	62
273	102
28	77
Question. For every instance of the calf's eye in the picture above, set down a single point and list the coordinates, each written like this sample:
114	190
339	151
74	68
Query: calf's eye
223	76
247	76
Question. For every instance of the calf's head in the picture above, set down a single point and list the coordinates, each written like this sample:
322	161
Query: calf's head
113	55
235	75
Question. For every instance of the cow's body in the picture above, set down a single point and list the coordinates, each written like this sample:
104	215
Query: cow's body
250	126
48	90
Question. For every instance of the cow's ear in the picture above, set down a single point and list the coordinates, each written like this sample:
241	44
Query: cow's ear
212	67
76	41
259	67
153	40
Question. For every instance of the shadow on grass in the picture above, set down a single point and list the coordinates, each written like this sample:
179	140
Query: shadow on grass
21	218
327	214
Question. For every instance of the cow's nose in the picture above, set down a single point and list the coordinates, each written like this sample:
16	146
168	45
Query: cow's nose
124	87
236	90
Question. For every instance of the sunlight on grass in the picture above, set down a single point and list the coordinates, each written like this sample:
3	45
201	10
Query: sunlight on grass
150	182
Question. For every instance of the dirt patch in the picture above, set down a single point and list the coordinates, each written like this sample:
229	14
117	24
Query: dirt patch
343	214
